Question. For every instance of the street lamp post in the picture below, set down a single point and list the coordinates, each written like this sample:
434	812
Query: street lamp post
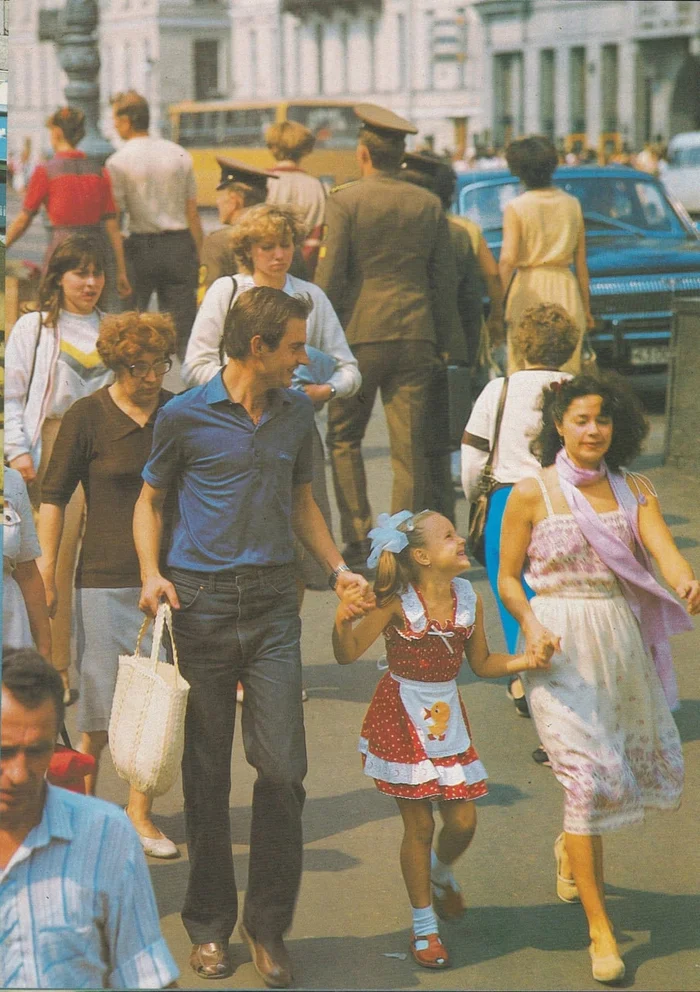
79	57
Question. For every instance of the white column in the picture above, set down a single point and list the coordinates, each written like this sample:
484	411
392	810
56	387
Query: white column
562	117
626	91
531	96
594	94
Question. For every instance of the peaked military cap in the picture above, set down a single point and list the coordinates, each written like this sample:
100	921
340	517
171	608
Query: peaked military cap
418	162
384	121
234	171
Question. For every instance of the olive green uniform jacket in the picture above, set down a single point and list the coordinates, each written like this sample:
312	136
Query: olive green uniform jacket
388	266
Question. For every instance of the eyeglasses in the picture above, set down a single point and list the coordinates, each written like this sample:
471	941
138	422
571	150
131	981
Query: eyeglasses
140	370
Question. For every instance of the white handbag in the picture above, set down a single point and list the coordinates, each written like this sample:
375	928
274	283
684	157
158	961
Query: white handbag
147	722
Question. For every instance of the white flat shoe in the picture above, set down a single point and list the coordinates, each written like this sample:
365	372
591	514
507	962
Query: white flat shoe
158	847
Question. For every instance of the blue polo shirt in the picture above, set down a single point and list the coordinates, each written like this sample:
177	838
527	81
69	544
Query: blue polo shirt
234	478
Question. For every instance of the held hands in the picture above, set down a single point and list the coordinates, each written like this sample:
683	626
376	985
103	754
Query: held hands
540	645
154	591
690	592
318	394
355	601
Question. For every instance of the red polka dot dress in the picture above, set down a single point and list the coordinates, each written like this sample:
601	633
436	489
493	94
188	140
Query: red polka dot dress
415	739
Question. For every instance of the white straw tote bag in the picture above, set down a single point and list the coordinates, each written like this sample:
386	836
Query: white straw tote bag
147	722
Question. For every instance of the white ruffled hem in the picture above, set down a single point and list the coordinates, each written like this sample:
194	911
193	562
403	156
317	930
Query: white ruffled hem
400	773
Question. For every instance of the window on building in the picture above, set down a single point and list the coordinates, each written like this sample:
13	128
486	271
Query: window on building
206	69
547	88
577	90
344	42
609	84
401	54
320	38
372	37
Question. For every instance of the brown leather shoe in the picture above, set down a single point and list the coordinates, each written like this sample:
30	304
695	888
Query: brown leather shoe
211	960
270	960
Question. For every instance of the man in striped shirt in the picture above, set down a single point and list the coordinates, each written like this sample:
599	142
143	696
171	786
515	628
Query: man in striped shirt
76	904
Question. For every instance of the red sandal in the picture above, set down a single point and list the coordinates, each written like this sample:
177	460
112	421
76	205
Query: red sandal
434	955
448	903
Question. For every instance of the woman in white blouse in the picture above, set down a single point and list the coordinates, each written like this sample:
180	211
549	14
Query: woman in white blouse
546	338
264	240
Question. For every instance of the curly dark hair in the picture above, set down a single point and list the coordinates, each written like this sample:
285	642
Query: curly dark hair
532	159
630	426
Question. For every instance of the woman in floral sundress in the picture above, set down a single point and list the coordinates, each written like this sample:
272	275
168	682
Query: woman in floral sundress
603	711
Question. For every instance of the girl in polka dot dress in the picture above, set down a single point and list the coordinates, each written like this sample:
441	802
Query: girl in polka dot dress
415	739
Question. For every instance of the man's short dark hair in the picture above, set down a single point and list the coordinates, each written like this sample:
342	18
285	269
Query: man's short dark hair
32	681
264	311
251	195
134	106
386	150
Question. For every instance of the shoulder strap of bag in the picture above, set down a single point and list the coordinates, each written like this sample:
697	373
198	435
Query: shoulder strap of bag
64	736
36	349
234	290
499	417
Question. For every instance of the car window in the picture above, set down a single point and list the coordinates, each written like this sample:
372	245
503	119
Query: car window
485	204
636	202
683	158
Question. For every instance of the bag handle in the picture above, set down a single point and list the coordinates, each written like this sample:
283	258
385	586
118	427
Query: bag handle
499	417
164	617
234	290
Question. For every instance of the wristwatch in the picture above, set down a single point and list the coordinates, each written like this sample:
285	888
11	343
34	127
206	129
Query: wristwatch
333	390
333	577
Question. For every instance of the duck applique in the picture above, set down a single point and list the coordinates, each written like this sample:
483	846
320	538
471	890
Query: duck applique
439	712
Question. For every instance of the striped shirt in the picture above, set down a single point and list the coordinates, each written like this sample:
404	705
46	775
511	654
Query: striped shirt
76	905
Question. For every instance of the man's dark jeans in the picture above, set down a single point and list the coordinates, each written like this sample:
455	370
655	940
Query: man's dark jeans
243	626
165	264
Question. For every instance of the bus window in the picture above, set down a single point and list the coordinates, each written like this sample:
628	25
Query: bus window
334	127
225	128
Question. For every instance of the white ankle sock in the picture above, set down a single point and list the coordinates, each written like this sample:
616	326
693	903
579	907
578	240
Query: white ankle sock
424	921
441	874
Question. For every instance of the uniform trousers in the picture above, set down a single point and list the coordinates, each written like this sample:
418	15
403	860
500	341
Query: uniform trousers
401	371
241	626
165	264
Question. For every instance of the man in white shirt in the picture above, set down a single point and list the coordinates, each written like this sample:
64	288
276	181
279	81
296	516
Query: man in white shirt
153	184
76	903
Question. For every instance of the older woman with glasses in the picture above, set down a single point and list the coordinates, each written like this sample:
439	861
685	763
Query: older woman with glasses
104	442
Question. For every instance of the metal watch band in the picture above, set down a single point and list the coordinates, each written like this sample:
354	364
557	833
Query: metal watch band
333	577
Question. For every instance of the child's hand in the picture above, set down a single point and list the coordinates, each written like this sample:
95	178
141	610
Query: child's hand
355	604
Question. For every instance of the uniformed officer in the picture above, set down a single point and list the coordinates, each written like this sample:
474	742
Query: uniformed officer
435	174
387	264
241	187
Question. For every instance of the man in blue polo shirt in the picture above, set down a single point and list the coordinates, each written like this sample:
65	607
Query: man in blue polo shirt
238	449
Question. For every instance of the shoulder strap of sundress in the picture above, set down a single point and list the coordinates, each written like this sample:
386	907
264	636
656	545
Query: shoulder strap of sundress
465	614
413	610
545	495
640	485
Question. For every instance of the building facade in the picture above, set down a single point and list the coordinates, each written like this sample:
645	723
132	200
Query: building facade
169	50
467	72
419	57
577	70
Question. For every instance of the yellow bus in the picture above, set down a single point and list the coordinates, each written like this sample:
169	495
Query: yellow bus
238	130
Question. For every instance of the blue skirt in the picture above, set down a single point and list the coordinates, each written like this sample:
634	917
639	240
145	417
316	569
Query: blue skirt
492	550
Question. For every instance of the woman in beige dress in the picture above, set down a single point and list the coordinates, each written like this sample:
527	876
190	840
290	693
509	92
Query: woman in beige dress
543	236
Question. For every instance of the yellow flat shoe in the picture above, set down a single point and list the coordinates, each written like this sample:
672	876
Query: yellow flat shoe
566	887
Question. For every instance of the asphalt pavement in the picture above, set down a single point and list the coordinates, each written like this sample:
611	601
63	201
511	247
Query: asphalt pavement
351	928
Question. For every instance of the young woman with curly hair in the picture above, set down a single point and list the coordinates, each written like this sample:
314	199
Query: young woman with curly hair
104	442
588	530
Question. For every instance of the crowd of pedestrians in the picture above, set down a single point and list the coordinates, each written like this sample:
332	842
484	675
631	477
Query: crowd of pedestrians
120	495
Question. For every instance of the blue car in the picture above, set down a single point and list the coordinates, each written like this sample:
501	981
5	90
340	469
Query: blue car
643	253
